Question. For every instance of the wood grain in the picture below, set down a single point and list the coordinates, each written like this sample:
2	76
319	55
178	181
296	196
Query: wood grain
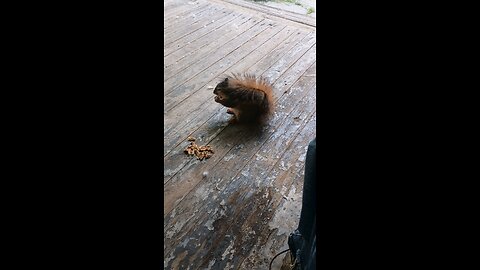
235	209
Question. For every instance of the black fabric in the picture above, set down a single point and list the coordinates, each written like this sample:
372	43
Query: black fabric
309	200
302	242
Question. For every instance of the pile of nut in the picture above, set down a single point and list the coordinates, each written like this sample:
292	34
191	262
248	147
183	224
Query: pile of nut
201	152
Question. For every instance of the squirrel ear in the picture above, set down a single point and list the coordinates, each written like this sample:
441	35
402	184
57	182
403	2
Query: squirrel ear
226	80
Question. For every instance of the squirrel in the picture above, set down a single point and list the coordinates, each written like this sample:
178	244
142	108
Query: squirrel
248	98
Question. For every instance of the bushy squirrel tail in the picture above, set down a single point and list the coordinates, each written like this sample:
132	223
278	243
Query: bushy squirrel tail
252	85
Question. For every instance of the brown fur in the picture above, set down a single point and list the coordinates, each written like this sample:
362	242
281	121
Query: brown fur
249	98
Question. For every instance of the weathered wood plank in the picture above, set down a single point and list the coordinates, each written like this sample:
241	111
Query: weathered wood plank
290	58
245	222
200	21
220	235
181	12
291	46
204	47
190	15
206	62
171	6
221	64
209	104
229	220
182	22
187	18
283	211
289	184
203	97
290	16
287	57
211	108
189	39
174	193
261	65
266	60
264	49
232	163
176	159
297	92
292	38
233	36
207	130
239	215
182	89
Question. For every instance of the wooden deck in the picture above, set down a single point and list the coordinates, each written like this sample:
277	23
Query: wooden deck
240	214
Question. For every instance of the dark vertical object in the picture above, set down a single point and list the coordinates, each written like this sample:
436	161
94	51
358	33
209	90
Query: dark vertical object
309	200
302	242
